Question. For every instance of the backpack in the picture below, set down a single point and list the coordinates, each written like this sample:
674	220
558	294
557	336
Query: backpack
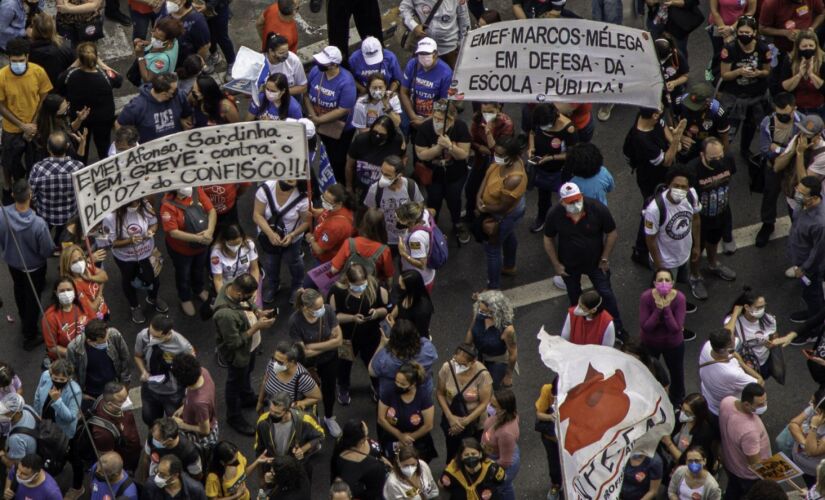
379	192
83	441
368	263
195	219
52	443
438	252
659	198
276	220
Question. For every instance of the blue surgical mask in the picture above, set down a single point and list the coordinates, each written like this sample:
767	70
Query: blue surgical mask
318	313
18	68
358	288
157	444
694	467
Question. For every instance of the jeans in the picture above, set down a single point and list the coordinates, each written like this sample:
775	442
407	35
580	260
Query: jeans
546	184
189	270
497	372
506	244
219	32
155	406
271	263
141	23
505	490
440	190
26	299
17	156
812	294
239	388
129	270
367	16
601	282
675	362
551	447
607	11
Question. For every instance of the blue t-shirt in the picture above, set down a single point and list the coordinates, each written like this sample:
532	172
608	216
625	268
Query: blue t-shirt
195	34
597	186
152	118
270	112
20	445
637	478
388	67
101	491
328	95
429	86
385	365
47	490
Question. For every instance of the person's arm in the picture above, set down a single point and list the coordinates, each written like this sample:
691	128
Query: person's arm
311	397
715	17
64	7
674	315
429	153
385	424
406	103
441	396
726	72
784	159
259	26
124	356
335	341
654	489
507	445
550	250
695	230
795	427
675	143
609	242
203	428
509	337
427	426
649	314
789	84
349	172
29	129
817	22
518	11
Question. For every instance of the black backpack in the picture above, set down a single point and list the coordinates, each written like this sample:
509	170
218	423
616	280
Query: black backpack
276	220
195	219
659	198
83	442
52	443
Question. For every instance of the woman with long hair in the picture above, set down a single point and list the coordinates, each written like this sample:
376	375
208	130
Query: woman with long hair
211	105
228	472
808	431
334	223
357	460
694	480
403	344
500	439
493	334
367	152
48	49
694	428
802	73
275	101
64	320
285	372
410	477
52	116
160	53
379	101
232	255
88	279
414	302
406	413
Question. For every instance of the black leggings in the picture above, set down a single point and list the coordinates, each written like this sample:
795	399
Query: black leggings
129	270
364	345
328	373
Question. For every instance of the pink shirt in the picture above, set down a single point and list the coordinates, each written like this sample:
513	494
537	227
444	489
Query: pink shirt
730	10
743	434
501	442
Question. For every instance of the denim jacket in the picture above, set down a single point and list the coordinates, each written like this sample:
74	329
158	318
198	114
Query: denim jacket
66	408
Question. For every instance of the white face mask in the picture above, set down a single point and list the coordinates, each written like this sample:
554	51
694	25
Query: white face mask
385	182
378	94
684	417
278	367
65	298
172	8
459	369
157	44
499	159
546	128
327	205
578	311
575	207
233	248
160	482
488	117
78	267
318	313
132	210
426	60
761	410
186	192
758	313
438	127
409	470
678	194
272	96
127	405
28	481
4	419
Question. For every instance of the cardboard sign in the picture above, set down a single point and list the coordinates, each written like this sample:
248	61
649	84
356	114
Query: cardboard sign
776	468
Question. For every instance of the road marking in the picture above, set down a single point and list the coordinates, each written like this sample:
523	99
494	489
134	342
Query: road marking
539	291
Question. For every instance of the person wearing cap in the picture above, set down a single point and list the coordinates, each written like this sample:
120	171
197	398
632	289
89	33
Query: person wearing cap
275	101
372	58
426	79
27	262
803	73
378	102
329	103
705	118
13	409
446	27
583	249
279	18
804	155
675	69
784	20
806	246
279	59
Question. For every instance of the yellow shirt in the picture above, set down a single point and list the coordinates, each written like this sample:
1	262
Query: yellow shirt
217	487
21	94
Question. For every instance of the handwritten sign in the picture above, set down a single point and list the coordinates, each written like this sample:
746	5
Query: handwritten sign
776	468
223	154
566	60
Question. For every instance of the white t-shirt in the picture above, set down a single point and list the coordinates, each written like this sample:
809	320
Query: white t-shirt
292	69
674	236
418	245
720	380
367	112
291	218
133	224
390	200
752	335
232	267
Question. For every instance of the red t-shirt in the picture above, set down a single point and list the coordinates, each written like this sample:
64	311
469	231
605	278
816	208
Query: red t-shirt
333	229
139	7
274	24
581	115
199	404
366	248
788	15
87	291
172	218
503	126
224	196
61	327
128	446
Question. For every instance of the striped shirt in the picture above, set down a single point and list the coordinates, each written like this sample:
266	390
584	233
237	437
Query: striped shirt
301	378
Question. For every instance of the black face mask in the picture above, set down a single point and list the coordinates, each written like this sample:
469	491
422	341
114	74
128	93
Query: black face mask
276	418
807	53
284	186
401	226
378	137
716	164
59	385
402	390
783	118
744	39
471	462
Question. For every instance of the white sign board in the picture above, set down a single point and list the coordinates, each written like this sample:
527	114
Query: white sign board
564	60
223	154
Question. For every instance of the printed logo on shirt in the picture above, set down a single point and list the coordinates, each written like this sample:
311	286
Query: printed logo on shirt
486	494
802	11
216	260
415	419
678	227
640	477
165	120
166	216
325	238
391	417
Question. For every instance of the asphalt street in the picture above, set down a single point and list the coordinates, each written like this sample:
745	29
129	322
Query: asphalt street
761	269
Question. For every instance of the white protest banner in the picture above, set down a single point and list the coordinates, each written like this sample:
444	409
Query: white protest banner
223	154
608	404
565	60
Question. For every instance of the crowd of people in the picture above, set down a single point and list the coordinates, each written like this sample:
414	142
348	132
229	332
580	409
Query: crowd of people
362	243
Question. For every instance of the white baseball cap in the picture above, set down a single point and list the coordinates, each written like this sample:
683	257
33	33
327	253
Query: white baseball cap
426	45
330	55
372	50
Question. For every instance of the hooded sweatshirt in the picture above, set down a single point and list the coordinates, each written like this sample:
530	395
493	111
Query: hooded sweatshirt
32	234
153	118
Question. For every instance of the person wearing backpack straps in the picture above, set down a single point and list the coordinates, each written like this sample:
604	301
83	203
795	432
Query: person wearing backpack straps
369	249
391	191
13	409
113	427
281	214
189	223
29	479
111	481
414	245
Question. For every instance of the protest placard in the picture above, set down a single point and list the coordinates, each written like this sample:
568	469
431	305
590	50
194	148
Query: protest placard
565	60
777	467
223	154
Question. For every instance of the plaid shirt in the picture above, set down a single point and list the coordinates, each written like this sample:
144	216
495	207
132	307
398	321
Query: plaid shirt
52	192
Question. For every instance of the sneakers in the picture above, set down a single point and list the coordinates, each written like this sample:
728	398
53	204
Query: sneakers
697	288
188	308
688	334
723	272
343	396
333	427
764	235
800	316
553	494
537	226
213	59
690	308
137	316
159	304
604	112
558	282
204	295
790	272
729	247
463	234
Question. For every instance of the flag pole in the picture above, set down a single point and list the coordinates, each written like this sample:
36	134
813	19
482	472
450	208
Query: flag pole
563	486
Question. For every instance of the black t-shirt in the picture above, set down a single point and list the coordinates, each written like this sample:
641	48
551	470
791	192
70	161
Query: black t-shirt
446	165
345	303
737	58
712	121
646	153
675	67
552	143
420	314
369	156
580	243
537	8
90	89
713	186
365	478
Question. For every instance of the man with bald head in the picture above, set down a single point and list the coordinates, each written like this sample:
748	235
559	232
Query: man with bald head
109	480
51	181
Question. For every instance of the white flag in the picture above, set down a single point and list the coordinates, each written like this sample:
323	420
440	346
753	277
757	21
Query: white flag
608	404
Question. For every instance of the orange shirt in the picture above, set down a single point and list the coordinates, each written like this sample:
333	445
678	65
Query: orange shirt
274	24
139	7
366	248
172	218
332	230
61	327
223	196
581	115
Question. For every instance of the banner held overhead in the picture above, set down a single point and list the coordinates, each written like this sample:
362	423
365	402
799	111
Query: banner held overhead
563	60
223	154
